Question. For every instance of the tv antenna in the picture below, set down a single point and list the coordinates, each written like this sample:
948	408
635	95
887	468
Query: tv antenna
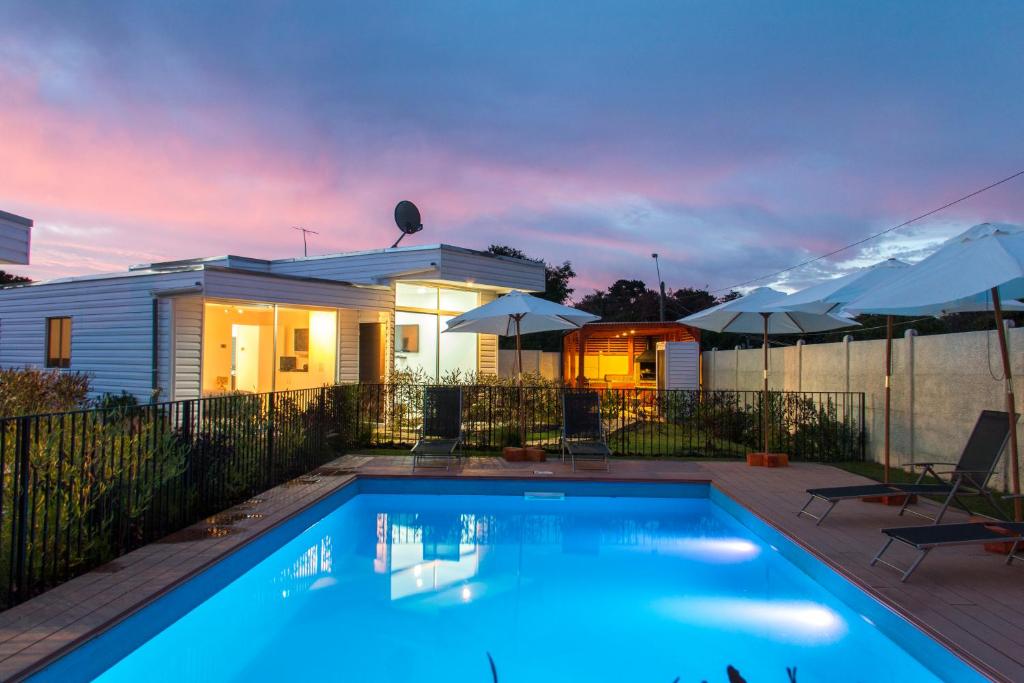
407	217
304	231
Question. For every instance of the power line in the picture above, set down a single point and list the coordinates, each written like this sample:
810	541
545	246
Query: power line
873	236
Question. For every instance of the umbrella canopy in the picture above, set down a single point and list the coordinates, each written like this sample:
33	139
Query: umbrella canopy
532	313
984	261
970	265
747	315
836	294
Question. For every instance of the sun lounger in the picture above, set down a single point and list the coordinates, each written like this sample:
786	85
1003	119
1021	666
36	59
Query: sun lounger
924	539
583	435
441	433
969	477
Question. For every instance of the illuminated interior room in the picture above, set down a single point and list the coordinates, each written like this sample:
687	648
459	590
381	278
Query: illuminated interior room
264	347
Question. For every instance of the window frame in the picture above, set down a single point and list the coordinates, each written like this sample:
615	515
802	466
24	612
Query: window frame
59	361
438	313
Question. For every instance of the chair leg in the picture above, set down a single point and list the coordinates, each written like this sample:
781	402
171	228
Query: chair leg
803	510
831	505
878	555
946	503
1013	552
920	558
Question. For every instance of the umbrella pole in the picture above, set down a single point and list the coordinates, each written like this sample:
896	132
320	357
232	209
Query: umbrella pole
1010	404
764	394
519	383
888	392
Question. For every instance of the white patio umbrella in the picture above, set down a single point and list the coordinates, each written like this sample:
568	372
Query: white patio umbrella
762	311
833	295
518	313
986	260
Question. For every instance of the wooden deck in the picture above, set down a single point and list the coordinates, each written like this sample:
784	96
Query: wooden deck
964	597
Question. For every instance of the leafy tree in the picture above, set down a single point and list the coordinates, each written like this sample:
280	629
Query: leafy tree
557	279
12	279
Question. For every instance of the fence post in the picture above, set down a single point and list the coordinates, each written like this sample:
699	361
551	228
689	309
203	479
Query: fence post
270	440
21	549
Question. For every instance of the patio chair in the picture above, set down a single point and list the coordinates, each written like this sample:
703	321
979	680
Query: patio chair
441	433
583	435
924	539
969	477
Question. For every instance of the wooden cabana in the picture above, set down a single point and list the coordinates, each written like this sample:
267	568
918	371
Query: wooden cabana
618	355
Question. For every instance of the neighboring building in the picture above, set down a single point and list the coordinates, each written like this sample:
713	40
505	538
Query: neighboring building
183	329
623	355
15	238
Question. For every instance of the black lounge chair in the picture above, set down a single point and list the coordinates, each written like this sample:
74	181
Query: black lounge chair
969	477
924	539
441	433
583	435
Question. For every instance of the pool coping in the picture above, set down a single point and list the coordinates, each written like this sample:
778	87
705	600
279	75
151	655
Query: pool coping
335	484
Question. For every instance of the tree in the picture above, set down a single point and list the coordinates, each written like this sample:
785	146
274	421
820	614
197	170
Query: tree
12	279
556	278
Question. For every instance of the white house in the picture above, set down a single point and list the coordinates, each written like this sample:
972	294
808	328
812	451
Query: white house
183	329
15	237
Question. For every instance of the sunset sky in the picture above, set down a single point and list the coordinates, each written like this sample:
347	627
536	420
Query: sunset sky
735	138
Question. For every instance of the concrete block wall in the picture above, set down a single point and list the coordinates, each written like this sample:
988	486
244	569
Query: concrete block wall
940	383
547	363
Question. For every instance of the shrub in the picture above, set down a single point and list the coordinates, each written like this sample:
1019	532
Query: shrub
29	391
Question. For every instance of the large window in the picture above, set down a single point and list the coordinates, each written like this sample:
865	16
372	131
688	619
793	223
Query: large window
58	342
422	313
261	348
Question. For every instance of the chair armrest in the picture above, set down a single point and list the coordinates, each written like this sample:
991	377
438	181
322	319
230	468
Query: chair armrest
1011	496
923	464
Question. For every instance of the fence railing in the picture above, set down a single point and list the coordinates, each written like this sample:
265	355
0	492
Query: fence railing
81	488
638	422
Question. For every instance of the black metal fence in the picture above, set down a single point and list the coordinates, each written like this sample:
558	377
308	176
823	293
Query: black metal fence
821	426
81	488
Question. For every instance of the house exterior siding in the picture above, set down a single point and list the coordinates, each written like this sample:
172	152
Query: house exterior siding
113	330
187	317
15	238
111	327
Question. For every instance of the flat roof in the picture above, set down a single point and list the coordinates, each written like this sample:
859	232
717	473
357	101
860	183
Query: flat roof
340	254
15	218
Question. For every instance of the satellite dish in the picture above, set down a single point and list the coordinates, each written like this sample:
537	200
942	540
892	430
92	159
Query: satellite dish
407	217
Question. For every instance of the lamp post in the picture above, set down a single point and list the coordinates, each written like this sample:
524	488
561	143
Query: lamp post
661	289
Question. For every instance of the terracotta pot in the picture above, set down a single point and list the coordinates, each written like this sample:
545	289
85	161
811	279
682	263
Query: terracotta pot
776	460
998	547
755	459
535	454
513	453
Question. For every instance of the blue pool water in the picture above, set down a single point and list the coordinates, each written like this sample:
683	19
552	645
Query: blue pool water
412	586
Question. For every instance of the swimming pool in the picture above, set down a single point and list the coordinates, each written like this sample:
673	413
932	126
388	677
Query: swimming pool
425	580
